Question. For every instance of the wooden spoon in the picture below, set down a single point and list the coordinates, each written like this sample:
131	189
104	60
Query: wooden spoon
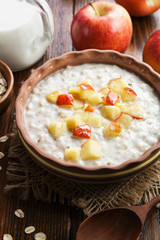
116	223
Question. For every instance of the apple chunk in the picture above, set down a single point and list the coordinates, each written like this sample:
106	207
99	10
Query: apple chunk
91	149
52	97
89	108
135	111
65	100
95	120
73	121
112	98
112	130
83	91
128	94
57	128
82	131
75	91
72	154
95	98
86	90
124	119
110	112
77	104
117	85
122	106
104	91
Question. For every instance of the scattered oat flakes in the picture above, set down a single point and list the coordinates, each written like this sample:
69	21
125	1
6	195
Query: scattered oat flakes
7	237
40	236
1	155
19	213
29	229
4	138
3	85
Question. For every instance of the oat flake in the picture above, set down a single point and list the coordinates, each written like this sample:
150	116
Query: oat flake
1	155
29	229
0	168
40	236
3	138
7	237
19	213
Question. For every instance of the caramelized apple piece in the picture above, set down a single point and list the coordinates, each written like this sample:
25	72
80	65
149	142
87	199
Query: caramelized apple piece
72	154
112	98
117	85
112	130
110	112
57	128
89	108
65	100
52	97
91	149
128	94
82	131
124	119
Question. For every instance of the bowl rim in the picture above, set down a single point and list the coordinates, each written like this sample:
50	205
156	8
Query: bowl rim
9	84
49	64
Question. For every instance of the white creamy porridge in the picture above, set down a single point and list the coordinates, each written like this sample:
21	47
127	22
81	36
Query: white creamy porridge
133	140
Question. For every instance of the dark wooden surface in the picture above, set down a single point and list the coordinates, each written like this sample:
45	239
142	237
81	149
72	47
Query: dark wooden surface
60	222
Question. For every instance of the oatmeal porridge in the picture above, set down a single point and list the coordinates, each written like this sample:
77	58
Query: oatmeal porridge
93	115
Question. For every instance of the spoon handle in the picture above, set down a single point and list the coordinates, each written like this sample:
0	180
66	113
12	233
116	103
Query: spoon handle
152	203
143	210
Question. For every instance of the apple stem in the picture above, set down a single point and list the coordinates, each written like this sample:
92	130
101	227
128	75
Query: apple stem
92	5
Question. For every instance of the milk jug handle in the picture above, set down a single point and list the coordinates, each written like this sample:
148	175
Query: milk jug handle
47	19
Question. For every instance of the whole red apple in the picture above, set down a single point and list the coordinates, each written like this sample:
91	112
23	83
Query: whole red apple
102	25
140	8
151	51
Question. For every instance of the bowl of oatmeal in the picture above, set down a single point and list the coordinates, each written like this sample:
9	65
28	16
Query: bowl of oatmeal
6	86
91	116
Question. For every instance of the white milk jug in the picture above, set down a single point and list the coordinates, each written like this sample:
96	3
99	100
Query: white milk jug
26	30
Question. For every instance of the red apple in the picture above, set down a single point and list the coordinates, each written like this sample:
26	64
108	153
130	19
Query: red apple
151	51
139	8
102	25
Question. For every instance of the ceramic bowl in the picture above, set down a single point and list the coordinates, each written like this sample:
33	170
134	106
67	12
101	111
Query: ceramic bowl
8	75
100	174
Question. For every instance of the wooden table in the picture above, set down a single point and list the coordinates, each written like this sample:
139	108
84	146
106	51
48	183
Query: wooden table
60	222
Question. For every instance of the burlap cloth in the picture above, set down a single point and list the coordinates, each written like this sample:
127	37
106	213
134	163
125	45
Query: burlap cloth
26	176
